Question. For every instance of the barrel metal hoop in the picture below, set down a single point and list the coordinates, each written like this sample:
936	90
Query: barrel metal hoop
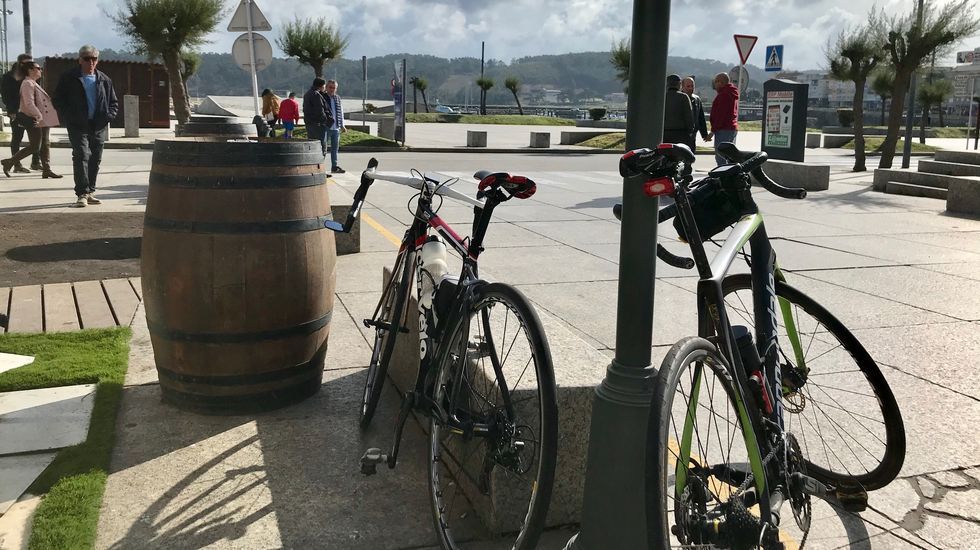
243	379
237	228
302	329
242	404
238	181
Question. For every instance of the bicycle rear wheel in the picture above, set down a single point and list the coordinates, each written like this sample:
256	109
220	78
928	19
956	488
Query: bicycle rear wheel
843	414
497	372
389	319
705	480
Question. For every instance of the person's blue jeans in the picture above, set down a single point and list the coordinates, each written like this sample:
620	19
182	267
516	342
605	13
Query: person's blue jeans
319	133
334	136
722	136
86	155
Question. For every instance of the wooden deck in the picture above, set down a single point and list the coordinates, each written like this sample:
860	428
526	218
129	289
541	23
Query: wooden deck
70	306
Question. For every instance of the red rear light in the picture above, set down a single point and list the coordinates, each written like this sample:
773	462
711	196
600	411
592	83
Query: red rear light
658	186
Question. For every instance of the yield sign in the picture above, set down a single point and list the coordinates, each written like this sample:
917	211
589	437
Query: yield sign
745	43
239	21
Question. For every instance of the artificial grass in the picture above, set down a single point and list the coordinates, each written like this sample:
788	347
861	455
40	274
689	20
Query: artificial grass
352	138
69	514
528	120
872	144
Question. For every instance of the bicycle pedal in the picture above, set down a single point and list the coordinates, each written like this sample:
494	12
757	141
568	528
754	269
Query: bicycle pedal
369	462
853	499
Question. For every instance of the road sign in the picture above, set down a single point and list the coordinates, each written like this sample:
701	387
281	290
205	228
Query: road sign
745	43
774	58
239	21
263	52
736	77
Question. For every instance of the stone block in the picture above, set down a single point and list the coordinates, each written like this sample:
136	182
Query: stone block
813	140
131	110
476	138
964	197
386	128
540	140
962	157
836	141
812	177
347	243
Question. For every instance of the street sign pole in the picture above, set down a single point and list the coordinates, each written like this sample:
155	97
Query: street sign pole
364	96
251	56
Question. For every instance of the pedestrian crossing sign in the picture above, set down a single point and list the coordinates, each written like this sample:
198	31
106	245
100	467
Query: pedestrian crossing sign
774	58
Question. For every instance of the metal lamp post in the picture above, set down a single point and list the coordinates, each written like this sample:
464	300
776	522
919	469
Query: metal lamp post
613	513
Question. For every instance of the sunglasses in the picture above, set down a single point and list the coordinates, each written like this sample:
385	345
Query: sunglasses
89	58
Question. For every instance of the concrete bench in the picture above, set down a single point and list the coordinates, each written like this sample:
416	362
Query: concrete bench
540	140
963	197
836	141
575	137
813	140
812	177
475	138
579	369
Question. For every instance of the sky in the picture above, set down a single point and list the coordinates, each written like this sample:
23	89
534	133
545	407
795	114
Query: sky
511	28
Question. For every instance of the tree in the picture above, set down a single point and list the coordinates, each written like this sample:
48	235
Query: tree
912	38
853	57
485	84
422	85
312	42
620	59
514	85
933	94
415	102
190	62
882	82
166	29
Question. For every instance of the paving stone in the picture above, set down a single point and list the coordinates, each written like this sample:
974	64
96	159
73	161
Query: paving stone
973	472
948	533
346	347
927	487
958	503
16	475
49	418
951	479
551	264
895	500
575	233
10	361
969	270
957	240
895	250
15	524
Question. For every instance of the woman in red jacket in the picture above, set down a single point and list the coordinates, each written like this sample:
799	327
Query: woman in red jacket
724	113
289	113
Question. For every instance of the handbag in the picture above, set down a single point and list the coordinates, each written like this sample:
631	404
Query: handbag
24	120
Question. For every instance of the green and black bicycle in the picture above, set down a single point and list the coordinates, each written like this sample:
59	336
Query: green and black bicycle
775	400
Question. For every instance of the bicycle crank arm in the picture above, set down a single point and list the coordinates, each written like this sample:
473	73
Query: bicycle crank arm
369	462
810	486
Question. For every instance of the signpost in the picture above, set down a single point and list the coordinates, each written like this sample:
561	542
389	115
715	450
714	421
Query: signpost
249	18
774	58
398	96
744	44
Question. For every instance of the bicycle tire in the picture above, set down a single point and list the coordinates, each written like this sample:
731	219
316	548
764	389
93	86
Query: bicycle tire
504	479
390	311
716	487
842	471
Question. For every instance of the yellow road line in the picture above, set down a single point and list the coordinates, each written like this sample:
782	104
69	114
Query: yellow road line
381	229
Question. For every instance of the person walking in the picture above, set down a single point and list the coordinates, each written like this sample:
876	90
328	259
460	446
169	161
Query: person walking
678	116
724	114
334	130
270	110
36	104
316	115
10	94
289	113
86	103
697	108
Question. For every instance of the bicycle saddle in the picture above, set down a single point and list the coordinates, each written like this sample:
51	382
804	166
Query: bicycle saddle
518	186
730	152
646	160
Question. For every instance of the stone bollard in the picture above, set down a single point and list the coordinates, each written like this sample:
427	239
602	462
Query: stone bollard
540	140
386	128
813	140
131	108
476	138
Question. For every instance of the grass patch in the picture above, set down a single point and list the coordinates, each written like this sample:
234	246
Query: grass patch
69	514
616	140
953	132
351	138
872	144
756	126
529	120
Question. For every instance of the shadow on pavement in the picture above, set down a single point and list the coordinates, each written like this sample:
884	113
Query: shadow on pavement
109	248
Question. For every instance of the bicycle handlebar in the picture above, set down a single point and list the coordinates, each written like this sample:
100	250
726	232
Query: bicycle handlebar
667	256
751	163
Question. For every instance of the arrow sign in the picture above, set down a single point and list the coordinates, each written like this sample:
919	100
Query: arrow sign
774	58
239	21
745	43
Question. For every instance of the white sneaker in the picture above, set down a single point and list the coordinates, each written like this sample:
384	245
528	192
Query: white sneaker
92	200
81	202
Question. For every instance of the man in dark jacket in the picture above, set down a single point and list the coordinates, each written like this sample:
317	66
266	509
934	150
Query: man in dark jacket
86	103
687	86
724	114
316	114
678	116
10	93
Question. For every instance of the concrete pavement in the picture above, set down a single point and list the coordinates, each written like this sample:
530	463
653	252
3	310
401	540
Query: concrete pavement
897	270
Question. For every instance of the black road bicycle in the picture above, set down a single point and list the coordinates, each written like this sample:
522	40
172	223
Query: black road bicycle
485	379
747	417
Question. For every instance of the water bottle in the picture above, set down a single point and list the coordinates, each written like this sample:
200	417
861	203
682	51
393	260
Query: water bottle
431	269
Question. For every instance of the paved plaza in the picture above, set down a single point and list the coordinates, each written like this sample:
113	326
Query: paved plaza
898	271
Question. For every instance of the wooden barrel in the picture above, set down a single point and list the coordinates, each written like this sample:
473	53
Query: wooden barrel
211	125
238	272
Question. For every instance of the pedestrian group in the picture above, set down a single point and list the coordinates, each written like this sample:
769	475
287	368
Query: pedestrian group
684	113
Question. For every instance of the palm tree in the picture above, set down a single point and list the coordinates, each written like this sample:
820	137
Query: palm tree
853	57
620	59
313	43
933	94
514	85
422	85
882	82
167	30
910	42
190	62
485	84
415	86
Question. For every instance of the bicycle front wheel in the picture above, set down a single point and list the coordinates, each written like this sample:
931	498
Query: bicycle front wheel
389	319
496	372
705	477
836	401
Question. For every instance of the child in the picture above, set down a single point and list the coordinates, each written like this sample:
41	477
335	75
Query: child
289	113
